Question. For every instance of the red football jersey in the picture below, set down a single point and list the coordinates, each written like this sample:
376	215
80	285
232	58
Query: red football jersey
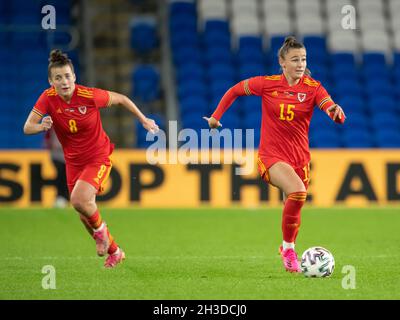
286	115
77	123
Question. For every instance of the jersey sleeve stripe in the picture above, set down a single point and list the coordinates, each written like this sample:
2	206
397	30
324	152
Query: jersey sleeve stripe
325	100
310	83
274	77
246	88
85	91
84	95
37	112
51	92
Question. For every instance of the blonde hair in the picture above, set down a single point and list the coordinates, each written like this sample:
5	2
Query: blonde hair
291	43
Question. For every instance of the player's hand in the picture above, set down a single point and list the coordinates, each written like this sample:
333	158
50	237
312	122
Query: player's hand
338	112
212	122
150	125
47	123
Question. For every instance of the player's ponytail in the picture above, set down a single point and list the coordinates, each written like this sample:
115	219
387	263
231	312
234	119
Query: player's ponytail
291	43
58	59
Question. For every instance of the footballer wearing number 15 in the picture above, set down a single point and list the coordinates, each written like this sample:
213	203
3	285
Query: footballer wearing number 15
73	111
288	101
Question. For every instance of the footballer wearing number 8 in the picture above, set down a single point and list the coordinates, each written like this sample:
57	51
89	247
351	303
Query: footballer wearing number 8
288	101
73	111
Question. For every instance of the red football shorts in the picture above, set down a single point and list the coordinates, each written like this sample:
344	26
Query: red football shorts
95	173
263	165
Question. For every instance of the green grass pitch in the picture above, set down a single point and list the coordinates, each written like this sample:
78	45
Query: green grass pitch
197	254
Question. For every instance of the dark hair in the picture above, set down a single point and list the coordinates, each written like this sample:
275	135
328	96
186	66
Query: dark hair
58	59
291	43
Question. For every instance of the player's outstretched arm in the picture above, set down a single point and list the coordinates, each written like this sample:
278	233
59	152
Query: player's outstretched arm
336	113
212	122
35	124
120	99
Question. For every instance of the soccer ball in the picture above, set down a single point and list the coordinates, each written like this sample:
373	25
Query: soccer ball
317	262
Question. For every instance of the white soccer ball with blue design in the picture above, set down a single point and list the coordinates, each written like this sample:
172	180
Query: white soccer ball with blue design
317	262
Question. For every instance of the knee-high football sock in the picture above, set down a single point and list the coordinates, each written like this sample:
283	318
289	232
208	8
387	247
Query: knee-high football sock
86	224
291	216
113	245
95	221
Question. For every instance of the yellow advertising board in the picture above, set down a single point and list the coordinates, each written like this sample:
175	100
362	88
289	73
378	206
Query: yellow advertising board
348	177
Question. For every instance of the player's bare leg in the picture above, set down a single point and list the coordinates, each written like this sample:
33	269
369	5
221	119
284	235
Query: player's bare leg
285	178
83	199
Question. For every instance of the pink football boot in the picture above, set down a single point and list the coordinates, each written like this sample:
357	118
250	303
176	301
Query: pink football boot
102	240
289	258
115	258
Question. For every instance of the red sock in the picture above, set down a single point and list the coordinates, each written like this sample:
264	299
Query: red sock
291	215
113	245
95	220
86	224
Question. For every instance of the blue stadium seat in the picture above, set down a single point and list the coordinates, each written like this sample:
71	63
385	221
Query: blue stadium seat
19	40
382	103
255	42
381	87
185	54
190	70
179	8
183	39
216	25
358	138
325	139
315	43
194	119
252	105
396	58
231	120
396	87
250	55
223	71
4	14
192	87
275	43
216	54
356	121
217	39
143	37
250	70
184	22
251	121
352	104
319	72
218	88
341	72
146	83
388	138
348	87
316	49
385	120
376	72
374	59
194	102
343	59
321	121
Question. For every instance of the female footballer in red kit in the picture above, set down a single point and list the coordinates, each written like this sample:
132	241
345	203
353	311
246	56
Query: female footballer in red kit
288	101
73	111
